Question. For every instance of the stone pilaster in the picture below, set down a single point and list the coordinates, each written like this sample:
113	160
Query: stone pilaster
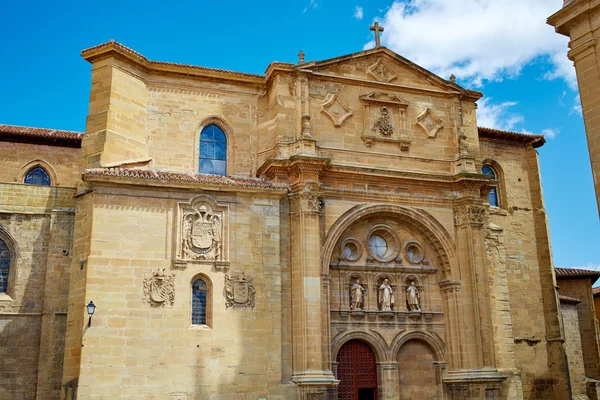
310	328
387	373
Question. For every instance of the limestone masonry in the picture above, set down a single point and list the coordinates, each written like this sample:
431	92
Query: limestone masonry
337	229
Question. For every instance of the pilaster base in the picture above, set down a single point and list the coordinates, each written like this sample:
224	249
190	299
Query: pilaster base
483	383
316	385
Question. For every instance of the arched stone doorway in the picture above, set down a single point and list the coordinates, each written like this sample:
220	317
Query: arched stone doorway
416	371
356	371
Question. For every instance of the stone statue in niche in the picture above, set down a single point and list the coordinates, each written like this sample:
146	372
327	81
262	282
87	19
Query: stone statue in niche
383	124
202	234
159	288
386	296
356	295
413	297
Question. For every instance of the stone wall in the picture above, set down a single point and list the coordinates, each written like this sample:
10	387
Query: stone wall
134	347
37	224
573	348
62	163
581	289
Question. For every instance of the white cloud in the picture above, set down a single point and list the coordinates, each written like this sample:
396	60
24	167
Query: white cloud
577	106
313	4
550	133
477	40
358	12
497	116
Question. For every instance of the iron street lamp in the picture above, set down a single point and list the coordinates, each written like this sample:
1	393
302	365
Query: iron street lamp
91	307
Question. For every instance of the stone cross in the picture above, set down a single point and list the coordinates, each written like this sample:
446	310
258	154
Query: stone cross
376	28
301	57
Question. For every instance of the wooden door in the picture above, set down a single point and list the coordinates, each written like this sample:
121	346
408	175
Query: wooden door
357	372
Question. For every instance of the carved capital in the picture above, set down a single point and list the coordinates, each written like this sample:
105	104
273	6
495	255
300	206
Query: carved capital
306	200
470	214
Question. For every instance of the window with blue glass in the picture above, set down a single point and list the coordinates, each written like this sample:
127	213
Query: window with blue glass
4	266
37	176
213	151
199	302
493	195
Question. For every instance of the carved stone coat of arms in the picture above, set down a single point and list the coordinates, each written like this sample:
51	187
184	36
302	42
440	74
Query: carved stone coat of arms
239	291
202	232
159	288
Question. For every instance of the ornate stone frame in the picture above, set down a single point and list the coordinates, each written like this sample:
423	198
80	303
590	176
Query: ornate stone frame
438	122
37	163
359	249
413	242
371	71
395	242
217	257
330	101
398	107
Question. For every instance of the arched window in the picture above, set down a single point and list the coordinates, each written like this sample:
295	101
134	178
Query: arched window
37	176
493	196
213	151
4	266
199	302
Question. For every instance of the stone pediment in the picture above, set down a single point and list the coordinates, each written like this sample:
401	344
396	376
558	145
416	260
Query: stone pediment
384	98
383	66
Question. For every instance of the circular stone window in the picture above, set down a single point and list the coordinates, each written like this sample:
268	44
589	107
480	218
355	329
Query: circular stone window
351	249
414	251
383	243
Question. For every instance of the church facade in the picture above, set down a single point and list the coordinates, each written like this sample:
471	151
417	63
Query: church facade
338	229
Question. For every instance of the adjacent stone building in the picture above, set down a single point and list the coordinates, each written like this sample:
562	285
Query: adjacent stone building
336	229
580	20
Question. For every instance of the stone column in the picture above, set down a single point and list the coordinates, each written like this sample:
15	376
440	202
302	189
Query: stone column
388	380
311	361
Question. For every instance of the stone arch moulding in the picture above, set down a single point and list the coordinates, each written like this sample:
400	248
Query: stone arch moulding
377	343
436	344
38	163
437	236
209	301
227	129
14	254
501	188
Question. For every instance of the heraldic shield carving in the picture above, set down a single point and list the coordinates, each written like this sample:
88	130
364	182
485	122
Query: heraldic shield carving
159	288
202	229
239	291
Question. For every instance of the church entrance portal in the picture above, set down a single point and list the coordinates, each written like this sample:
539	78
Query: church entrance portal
357	372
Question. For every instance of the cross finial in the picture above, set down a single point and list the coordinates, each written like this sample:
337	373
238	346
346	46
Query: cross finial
301	57
376	28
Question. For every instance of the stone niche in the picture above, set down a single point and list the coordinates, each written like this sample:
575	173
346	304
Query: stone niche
385	120
379	264
202	234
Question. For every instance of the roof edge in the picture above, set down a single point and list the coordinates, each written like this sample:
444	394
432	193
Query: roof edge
534	140
107	49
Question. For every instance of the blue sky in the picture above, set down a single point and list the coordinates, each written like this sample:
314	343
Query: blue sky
500	47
